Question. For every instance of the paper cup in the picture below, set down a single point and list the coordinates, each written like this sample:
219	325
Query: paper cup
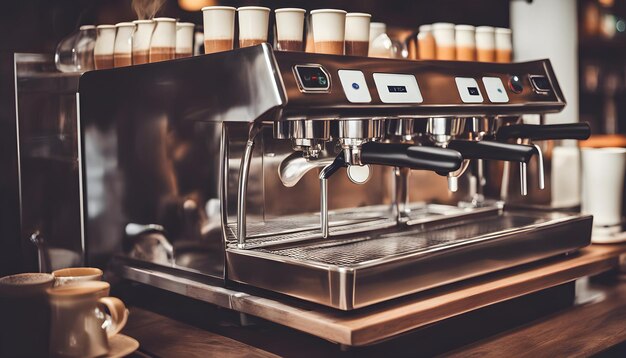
253	24
163	43
357	33
184	39
329	26
289	28
465	37
426	43
141	41
122	51
504	47
603	184
219	28
485	44
445	42
104	47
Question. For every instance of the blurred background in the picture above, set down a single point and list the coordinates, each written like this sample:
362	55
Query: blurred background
585	39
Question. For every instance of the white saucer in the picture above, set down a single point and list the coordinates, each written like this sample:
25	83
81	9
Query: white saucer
608	235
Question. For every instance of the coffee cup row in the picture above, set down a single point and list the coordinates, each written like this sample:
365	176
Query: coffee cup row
142	41
334	31
446	41
59	314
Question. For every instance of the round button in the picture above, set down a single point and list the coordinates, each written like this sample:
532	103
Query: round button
515	84
355	86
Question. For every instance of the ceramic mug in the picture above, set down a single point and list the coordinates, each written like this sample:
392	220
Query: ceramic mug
76	274
79	326
25	315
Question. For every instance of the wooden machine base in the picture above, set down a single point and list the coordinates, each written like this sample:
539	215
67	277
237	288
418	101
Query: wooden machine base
376	323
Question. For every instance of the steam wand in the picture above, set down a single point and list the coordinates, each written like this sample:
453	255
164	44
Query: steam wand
325	173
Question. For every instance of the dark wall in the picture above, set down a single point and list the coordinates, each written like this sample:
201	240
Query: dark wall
38	25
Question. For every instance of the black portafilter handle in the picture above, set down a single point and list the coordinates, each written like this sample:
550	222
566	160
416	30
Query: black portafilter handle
490	150
411	156
580	131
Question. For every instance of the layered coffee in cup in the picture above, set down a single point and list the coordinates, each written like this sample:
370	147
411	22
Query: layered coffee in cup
503	45
445	42
465	42
163	42
485	44
141	41
289	29
76	274
329	26
105	44
357	34
184	39
219	28
425	43
123	49
253	24
25	315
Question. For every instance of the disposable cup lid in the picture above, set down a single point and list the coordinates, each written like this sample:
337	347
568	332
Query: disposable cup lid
257	8
336	11
290	9
358	14
206	8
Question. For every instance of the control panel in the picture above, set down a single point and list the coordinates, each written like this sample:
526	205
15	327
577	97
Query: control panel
468	90
397	88
354	86
495	90
312	78
424	89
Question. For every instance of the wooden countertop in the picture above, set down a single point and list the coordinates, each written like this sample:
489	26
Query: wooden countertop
580	331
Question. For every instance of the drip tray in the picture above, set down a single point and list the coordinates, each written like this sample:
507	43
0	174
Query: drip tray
358	270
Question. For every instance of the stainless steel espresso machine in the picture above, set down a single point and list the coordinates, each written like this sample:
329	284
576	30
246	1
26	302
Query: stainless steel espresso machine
291	172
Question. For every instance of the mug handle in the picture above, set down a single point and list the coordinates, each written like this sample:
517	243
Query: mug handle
119	314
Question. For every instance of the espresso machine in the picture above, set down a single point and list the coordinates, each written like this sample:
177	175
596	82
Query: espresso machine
291	172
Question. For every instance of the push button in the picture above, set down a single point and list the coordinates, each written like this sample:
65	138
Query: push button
354	86
515	84
495	90
468	90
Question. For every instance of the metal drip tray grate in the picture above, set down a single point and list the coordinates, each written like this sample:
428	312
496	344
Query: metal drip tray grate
364	268
304	227
356	251
296	228
289	236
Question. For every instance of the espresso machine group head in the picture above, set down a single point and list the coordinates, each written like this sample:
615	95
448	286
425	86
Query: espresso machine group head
289	171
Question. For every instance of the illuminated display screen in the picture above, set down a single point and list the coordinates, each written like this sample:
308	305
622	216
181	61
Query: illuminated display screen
397	89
